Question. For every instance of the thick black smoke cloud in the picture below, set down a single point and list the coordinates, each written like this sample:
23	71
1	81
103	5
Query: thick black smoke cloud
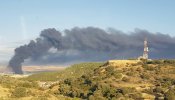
91	44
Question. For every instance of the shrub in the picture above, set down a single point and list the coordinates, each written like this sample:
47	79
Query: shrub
166	82
7	81
117	75
127	90
158	90
169	61
136	96
150	90
98	93
35	84
105	89
25	84
140	69
155	62
87	81
170	95
118	71
148	67
67	81
130	73
125	79
145	76
19	92
111	93
149	62
119	95
110	69
64	89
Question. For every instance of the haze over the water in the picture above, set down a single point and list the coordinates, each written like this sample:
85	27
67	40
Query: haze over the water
22	20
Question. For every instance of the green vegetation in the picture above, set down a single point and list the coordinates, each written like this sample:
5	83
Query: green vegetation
153	80
19	92
170	95
74	71
6	81
45	76
161	61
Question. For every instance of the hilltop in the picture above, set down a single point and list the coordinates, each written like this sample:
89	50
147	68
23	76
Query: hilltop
112	80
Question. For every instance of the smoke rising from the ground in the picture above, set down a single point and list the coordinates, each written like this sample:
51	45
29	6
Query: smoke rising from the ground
90	44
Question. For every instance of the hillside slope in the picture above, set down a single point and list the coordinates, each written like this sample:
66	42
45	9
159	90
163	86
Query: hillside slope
126	80
42	86
113	80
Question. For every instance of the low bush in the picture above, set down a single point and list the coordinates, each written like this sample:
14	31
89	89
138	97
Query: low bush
158	90
110	69
170	95
127	90
169	61
145	76
155	62
19	92
130	73
148	67
117	75
136	96
125	79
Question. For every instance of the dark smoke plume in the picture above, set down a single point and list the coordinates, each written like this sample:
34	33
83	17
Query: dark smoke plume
91	44
48	38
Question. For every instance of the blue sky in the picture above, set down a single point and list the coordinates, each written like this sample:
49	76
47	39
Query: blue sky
22	20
